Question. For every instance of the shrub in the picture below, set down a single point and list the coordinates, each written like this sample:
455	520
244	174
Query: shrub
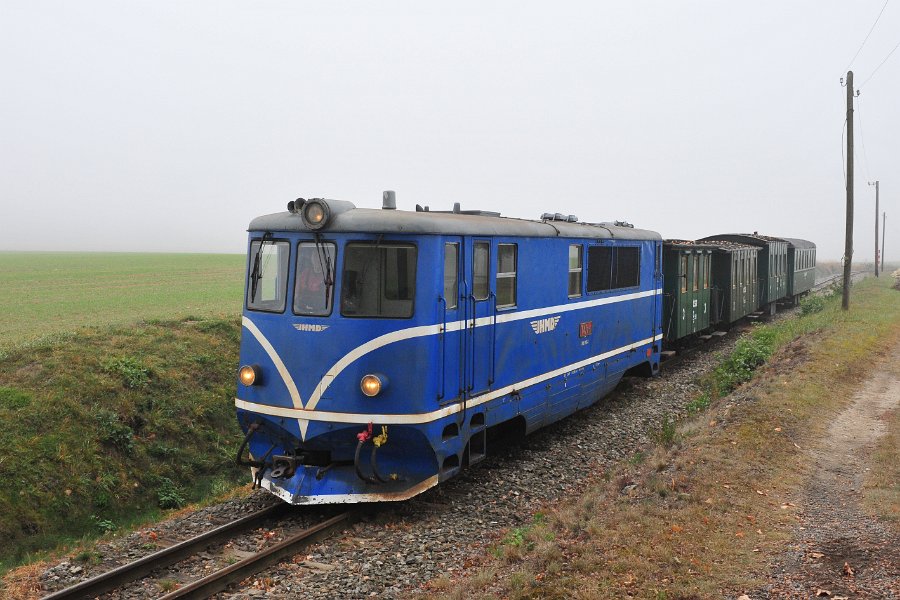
812	304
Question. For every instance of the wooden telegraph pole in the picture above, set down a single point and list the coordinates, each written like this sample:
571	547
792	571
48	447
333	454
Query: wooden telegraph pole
876	226
848	243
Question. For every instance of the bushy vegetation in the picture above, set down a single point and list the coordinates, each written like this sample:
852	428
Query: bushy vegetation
106	427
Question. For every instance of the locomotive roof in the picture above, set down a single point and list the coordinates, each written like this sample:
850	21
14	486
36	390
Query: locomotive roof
371	220
798	243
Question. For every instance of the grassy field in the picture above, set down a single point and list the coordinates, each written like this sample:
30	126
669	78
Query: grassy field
59	292
711	503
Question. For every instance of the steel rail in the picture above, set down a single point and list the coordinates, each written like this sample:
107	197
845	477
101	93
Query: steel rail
221	579
105	582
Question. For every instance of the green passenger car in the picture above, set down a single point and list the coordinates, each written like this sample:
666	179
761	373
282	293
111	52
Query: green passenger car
735	283
772	265
686	289
801	268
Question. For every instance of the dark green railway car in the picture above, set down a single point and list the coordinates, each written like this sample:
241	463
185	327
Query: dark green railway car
801	268
735	283
772	268
687	268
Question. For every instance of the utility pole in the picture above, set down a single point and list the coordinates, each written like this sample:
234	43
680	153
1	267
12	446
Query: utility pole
848	243
883	227
876	226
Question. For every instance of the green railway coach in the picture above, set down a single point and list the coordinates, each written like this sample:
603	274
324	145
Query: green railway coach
687	268
801	268
772	265
735	283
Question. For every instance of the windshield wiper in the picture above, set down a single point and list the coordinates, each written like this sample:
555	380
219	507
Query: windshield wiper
256	273
326	266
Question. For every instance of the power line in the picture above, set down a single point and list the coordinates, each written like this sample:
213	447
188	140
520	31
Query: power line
879	66
871	29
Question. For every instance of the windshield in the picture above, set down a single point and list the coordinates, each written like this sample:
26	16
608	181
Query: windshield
314	287
379	280
267	281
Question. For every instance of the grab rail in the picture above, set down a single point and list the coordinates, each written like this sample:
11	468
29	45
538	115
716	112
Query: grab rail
443	301
493	340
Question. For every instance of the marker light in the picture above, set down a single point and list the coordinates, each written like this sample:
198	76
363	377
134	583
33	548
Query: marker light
371	385
248	374
315	214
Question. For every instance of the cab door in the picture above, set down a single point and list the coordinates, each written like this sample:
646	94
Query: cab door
481	309
453	315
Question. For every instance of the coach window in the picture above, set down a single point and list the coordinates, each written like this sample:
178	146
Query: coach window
451	274
684	273
696	277
575	270
707	266
379	280
506	275
268	272
481	259
314	284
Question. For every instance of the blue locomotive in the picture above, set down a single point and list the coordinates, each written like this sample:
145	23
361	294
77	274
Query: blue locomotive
379	345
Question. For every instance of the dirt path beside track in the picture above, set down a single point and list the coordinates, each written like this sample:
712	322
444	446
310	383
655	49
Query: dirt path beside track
839	549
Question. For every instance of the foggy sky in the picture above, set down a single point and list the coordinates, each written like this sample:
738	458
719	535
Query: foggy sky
167	126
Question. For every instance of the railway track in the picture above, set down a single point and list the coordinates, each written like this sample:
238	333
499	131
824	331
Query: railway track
221	578
854	276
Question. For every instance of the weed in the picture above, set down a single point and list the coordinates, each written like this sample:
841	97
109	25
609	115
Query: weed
169	495
13	399
110	430
168	585
699	404
89	556
103	525
132	371
666	434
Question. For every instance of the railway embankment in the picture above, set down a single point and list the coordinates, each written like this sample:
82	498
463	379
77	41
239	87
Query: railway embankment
112	426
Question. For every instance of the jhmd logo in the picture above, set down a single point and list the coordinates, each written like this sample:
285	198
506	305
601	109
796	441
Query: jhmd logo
545	325
308	327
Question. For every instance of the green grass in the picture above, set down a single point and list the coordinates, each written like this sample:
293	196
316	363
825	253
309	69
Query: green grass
56	293
112	425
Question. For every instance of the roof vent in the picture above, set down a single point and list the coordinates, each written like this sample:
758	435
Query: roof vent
389	200
456	208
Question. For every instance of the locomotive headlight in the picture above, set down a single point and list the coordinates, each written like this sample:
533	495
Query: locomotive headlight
372	385
248	374
315	214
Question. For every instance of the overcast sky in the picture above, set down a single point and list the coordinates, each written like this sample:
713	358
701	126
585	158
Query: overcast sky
144	126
